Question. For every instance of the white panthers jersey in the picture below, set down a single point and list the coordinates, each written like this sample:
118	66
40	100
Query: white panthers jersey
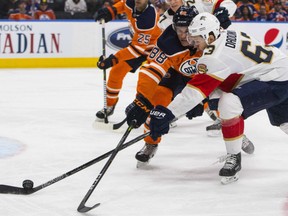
202	6
237	52
234	59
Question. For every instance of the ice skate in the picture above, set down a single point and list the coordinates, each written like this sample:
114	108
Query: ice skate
110	110
145	154
232	166
247	145
214	129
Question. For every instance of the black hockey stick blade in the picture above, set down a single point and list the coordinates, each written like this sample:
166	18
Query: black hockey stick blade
7	189
108	126
83	209
118	125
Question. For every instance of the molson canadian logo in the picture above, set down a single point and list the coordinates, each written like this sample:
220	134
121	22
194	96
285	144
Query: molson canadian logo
273	37
119	38
17	39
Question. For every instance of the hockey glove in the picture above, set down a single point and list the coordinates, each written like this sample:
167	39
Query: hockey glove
108	62
196	111
139	110
160	121
106	13
222	15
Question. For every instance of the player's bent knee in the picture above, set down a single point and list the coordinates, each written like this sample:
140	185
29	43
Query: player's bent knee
229	106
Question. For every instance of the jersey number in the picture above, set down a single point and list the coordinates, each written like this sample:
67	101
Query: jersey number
162	18
259	54
144	38
159	57
256	53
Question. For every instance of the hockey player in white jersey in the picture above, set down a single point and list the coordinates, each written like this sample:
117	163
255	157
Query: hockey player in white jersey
222	9
251	75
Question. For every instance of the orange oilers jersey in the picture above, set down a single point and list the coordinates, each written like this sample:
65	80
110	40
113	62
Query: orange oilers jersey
143	26
44	15
168	53
19	16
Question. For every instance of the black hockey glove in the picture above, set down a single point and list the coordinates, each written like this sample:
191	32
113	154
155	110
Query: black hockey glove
196	111
106	13
108	62
222	15
139	110
160	121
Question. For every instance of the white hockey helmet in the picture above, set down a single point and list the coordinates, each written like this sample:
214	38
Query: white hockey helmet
204	24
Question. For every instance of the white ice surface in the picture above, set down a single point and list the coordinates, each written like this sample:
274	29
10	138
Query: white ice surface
51	111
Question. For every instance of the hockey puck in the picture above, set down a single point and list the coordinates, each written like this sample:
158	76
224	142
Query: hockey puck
27	184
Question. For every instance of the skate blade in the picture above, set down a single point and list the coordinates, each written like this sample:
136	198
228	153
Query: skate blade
249	149
247	146
214	133
228	180
142	165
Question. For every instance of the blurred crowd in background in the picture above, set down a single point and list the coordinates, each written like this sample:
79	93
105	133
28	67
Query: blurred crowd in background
248	10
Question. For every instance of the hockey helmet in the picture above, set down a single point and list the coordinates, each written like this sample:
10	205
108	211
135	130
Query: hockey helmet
184	15
204	24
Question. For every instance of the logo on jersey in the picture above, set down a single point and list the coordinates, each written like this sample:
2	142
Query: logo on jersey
188	67
273	37
119	38
202	68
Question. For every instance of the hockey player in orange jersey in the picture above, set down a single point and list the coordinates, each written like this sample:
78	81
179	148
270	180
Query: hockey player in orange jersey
157	86
143	20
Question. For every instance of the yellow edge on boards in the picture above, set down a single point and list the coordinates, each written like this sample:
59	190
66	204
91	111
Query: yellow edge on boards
47	62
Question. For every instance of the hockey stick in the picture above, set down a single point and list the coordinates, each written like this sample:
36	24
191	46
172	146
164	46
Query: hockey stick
104	71
82	208
7	189
109	125
118	125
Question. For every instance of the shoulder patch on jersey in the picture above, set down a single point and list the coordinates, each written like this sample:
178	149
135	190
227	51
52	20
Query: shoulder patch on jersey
202	68
188	67
169	43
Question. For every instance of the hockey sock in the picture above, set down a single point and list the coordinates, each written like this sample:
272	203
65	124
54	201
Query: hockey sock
233	130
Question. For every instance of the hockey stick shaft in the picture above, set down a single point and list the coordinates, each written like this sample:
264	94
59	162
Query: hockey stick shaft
82	208
7	189
104	71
